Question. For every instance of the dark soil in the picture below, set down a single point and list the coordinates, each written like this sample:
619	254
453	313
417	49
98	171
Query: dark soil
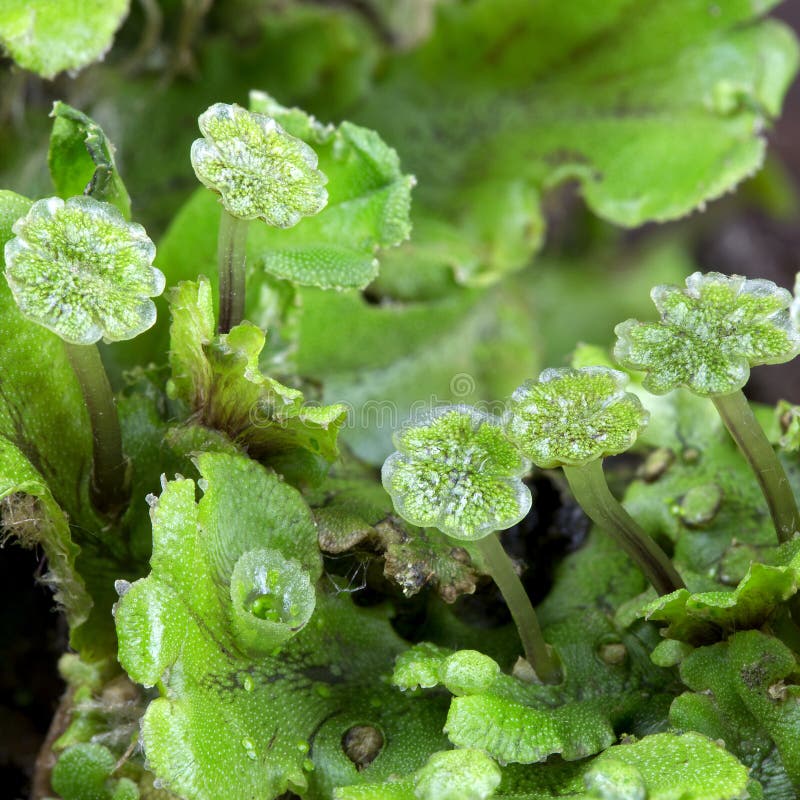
32	637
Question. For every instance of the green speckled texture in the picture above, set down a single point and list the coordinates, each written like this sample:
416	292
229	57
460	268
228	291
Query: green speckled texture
219	379
231	725
457	775
703	617
662	766
519	722
667	767
259	170
574	416
742	691
47	37
79	269
85	772
455	470
710	334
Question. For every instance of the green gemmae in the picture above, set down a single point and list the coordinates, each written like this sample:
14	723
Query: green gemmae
573	416
259	170
710	334
456	471
81	270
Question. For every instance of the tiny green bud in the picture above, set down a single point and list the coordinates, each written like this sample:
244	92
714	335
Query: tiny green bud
615	780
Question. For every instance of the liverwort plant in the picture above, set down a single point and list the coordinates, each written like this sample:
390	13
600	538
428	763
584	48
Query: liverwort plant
81	270
455	470
573	418
260	172
710	334
278	629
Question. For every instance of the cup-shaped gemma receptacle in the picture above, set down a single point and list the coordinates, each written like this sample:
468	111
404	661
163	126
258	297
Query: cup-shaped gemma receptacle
273	598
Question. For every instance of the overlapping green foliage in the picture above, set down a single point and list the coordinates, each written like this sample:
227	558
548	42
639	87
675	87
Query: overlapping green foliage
48	37
524	101
219	379
255	670
228	692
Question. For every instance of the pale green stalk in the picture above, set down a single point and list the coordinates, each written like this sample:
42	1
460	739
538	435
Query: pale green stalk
743	426
231	260
537	652
590	489
109	487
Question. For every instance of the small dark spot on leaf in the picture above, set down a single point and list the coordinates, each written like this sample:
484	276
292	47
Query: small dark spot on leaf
372	297
753	676
362	744
690	455
321	673
460	554
656	464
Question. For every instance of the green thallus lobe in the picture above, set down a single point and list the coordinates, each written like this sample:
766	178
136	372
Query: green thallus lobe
81	270
709	336
260	172
455	470
573	418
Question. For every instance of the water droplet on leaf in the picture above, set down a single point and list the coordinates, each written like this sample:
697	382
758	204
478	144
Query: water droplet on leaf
700	505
